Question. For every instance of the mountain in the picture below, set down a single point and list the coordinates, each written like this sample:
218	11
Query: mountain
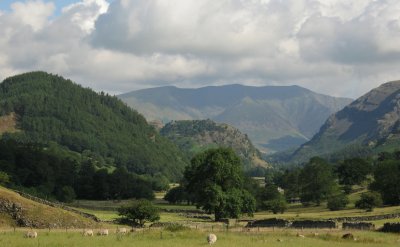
194	136
38	107
274	117
370	122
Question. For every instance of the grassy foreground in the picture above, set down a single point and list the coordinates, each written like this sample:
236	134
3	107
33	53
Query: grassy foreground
198	238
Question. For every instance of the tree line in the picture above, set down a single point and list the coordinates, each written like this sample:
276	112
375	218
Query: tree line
54	172
214	182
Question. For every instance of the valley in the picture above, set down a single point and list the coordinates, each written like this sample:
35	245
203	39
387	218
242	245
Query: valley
99	157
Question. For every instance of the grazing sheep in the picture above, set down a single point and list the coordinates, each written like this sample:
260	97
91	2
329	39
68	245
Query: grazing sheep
300	236
88	233
31	234
211	238
122	231
103	232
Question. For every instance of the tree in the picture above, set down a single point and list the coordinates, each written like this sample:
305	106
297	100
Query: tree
290	183
386	182
140	212
176	195
337	202
317	182
271	199
66	194
353	171
277	205
369	201
215	179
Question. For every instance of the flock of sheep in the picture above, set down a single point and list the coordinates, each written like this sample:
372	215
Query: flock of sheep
211	238
86	232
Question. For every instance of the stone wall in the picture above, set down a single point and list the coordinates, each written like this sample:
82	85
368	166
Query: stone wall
295	224
314	224
274	222
358	225
367	218
391	227
58	205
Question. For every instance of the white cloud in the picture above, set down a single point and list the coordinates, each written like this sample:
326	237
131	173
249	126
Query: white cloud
33	13
339	47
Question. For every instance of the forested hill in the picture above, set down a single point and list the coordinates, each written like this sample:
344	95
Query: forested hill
194	136
49	108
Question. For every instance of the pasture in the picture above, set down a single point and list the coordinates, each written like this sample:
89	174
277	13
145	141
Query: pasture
186	238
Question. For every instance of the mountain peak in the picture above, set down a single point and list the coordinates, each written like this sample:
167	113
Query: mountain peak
268	114
370	121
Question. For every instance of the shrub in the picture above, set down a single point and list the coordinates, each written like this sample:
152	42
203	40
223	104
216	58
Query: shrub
139	212
4	178
277	205
369	201
337	202
66	194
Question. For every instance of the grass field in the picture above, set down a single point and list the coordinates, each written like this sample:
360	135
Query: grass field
189	238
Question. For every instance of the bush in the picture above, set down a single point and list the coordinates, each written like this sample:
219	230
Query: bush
277	205
176	195
139	212
175	227
66	194
4	178
369	201
337	202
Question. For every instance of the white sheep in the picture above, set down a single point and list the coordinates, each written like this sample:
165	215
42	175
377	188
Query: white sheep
88	233
31	234
300	236
103	232
211	238
122	231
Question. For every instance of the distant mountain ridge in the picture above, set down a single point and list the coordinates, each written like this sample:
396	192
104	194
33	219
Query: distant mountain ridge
194	136
274	117
372	121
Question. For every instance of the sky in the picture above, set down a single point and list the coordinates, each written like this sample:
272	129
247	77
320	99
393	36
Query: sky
336	47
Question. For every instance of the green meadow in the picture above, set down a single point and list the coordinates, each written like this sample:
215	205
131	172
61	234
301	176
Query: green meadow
186	238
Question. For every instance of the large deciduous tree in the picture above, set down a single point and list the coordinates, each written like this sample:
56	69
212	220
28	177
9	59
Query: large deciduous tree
215	179
353	171
317	182
386	182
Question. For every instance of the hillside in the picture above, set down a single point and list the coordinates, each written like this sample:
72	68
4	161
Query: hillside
370	122
16	210
38	107
194	136
274	117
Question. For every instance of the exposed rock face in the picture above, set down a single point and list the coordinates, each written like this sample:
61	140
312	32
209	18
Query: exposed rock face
15	210
193	136
372	120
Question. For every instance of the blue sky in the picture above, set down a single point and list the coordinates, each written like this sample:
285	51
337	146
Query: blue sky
5	4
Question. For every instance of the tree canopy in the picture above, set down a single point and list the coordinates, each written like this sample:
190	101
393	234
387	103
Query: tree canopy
215	179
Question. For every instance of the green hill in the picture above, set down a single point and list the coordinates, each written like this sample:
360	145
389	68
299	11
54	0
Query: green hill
16	210
38	107
194	136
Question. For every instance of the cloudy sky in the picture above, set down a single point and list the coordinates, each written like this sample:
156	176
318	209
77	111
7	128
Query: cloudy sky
336	47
